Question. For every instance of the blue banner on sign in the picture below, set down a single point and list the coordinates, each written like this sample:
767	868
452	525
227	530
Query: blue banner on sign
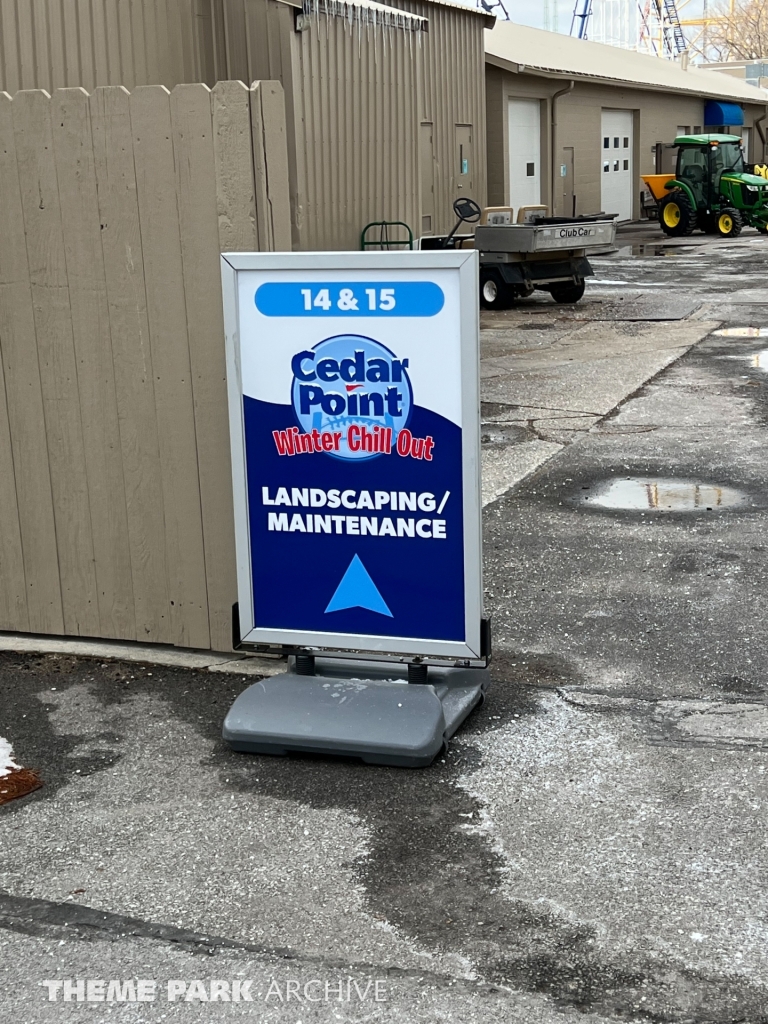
355	499
356	299
356	546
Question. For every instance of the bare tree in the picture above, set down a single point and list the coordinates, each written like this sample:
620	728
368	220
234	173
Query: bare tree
740	31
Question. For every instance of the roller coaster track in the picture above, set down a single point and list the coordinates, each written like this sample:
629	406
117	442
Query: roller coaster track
666	11
673	30
582	12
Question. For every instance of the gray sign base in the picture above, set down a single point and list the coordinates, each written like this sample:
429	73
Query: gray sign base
366	710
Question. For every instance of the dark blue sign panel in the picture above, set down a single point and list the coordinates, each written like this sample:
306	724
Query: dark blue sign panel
354	451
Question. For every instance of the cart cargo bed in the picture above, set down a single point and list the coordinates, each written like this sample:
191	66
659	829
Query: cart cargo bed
532	238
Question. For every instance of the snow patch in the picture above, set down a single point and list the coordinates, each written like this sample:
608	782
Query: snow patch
7	764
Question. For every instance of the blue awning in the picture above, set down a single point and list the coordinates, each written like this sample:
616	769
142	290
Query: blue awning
718	112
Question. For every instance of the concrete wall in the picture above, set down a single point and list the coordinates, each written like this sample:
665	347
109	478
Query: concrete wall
656	118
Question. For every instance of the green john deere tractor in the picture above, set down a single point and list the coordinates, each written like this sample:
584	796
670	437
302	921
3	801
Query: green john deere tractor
712	190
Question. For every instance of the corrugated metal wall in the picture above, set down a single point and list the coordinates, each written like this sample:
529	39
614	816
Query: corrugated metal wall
49	44
323	91
453	93
356	98
355	94
251	39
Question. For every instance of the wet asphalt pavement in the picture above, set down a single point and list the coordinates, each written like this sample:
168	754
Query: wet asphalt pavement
591	848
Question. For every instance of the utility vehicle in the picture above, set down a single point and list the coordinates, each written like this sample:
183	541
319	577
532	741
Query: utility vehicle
711	189
545	254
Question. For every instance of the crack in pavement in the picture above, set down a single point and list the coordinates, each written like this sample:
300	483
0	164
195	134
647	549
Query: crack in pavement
546	408
67	920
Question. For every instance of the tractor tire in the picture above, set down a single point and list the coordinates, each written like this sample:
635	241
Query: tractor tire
676	215
495	293
728	222
566	291
762	229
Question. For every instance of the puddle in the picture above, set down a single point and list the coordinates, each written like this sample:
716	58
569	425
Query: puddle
651	249
599	281
742	332
662	495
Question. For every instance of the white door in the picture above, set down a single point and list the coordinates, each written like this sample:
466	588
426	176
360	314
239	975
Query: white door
746	138
524	153
616	163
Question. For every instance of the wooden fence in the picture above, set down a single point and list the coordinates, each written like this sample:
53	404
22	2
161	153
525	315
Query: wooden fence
115	486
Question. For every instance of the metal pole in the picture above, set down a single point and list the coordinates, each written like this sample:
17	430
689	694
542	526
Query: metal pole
553	140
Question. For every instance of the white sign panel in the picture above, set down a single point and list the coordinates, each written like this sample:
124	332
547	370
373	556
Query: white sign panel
354	417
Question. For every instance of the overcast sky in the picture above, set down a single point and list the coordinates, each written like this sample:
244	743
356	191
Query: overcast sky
531	12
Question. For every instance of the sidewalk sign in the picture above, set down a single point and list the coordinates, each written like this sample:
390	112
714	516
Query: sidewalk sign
353	384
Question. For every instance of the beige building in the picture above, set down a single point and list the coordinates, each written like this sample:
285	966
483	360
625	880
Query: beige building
755	72
392	128
452	145
384	103
581	121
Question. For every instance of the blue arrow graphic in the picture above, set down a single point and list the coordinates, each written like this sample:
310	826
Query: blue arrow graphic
357	590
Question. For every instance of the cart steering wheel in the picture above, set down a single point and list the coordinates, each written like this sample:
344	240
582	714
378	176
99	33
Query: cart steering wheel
467	210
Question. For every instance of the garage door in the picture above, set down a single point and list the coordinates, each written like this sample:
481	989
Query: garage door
616	163
524	153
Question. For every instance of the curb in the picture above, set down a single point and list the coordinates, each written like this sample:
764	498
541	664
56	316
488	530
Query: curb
150	654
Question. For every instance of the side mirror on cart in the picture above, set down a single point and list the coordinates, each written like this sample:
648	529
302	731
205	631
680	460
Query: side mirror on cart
468	212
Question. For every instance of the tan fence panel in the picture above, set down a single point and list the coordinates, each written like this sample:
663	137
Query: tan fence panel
76	176
270	160
235	187
193	144
13	599
132	359
117	520
25	405
56	355
164	282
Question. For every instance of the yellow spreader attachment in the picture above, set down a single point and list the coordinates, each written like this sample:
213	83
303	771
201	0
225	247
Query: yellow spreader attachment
656	183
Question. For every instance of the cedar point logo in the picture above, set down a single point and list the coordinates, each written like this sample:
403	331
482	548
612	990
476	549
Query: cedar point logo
352	399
